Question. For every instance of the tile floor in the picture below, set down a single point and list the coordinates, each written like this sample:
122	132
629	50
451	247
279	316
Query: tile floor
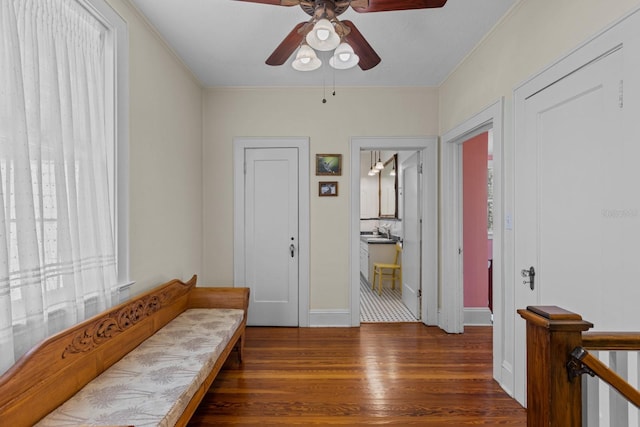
385	308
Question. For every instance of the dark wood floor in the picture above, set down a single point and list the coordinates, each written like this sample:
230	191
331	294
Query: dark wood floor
402	374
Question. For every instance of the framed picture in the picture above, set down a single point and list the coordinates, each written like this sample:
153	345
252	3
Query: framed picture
328	188
329	164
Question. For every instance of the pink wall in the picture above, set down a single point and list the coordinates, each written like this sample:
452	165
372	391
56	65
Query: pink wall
474	164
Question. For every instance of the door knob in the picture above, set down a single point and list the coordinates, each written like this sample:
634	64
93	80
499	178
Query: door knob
531	274
292	249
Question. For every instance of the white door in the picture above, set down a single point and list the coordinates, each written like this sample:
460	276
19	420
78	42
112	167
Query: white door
271	235
577	205
411	245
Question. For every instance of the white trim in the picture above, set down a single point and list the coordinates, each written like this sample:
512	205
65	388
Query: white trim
490	117
330	318
477	316
118	68
429	147
302	144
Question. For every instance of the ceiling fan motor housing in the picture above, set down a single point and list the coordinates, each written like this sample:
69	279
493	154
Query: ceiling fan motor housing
324	8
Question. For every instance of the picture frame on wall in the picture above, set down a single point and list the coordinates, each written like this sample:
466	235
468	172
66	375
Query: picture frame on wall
329	164
328	188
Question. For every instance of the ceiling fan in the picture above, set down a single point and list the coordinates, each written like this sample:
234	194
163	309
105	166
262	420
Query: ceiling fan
345	30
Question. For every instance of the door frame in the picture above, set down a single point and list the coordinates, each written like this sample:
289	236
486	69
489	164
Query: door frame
429	258
240	144
490	117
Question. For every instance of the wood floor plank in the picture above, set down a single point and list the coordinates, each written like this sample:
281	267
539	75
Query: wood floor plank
395	373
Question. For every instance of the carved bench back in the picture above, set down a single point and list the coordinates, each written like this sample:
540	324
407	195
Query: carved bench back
61	365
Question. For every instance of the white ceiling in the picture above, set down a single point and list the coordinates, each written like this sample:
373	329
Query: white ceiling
225	42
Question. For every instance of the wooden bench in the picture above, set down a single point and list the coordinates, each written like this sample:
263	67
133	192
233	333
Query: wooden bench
64	364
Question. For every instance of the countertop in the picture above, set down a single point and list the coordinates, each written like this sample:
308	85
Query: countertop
378	239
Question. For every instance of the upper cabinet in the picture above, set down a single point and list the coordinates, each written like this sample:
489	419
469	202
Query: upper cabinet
379	192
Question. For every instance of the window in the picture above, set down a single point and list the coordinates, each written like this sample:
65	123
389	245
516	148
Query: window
63	166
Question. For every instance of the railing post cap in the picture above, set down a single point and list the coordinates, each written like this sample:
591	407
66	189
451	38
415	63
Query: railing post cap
554	317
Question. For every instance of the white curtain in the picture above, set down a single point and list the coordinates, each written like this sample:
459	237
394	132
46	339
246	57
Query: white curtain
57	256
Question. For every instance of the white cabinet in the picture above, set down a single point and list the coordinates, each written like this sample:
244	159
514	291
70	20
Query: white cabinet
364	260
370	253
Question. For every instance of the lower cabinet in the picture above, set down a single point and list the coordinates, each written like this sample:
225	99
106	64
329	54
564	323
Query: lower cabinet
371	253
364	260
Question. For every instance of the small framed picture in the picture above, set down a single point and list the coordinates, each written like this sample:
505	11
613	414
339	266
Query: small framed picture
329	164
328	188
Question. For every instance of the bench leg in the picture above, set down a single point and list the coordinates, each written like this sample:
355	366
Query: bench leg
240	347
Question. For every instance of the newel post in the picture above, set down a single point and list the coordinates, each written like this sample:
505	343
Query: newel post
552	399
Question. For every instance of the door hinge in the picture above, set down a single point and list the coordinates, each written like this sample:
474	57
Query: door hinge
420	168
459	251
621	94
419	293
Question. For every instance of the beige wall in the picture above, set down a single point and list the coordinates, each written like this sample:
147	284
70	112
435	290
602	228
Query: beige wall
176	127
300	112
531	37
165	159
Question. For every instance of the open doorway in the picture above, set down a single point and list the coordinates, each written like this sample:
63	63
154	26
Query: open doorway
384	224
477	220
427	259
452	237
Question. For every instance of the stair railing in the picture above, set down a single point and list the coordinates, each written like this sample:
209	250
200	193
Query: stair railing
557	344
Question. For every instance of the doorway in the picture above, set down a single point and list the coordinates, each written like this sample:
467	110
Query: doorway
389	214
428	258
281	295
477	233
451	243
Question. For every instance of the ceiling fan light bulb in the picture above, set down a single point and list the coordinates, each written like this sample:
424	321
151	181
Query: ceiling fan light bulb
322	34
306	59
344	57
323	37
338	64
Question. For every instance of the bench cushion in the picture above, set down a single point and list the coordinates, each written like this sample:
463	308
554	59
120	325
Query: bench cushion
152	385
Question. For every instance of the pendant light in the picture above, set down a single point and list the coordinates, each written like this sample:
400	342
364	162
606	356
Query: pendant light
372	171
379	165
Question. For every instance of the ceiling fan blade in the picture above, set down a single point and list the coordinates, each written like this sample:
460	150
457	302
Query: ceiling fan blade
275	2
287	46
368	57
388	5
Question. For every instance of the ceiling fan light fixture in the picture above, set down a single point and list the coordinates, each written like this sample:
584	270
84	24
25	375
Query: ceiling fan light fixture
323	37
306	59
344	58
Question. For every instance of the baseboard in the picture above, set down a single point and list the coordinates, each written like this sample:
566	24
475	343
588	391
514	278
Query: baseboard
329	318
477	316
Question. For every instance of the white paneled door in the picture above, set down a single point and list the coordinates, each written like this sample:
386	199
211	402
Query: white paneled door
577	205
271	235
412	243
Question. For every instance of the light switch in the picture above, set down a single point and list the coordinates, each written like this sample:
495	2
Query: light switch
508	221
